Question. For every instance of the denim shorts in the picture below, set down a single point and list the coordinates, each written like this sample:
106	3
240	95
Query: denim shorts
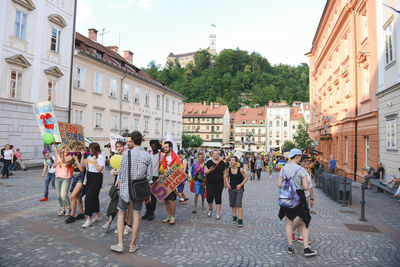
76	179
123	205
198	188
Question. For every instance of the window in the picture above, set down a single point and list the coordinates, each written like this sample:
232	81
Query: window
313	116
285	124
98	120
137	95
270	133
217	128
366	151
294	127
125	123
158	101
146	126
114	121
259	131
212	137
20	25
125	91
277	134
98	78
167	106
389	51
179	107
136	124
270	143
391	133
15	83
157	126
270	123
208	127
366	82
78	116
173	106
277	142
277	123
80	77
347	87
147	98
51	88
347	149
285	134
207	137
55	40
364	21
184	128
253	131
113	87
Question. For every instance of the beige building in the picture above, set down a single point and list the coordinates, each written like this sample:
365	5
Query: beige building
278	124
210	122
110	94
249	128
186	58
388	42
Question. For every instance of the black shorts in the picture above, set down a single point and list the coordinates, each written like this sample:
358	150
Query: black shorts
171	196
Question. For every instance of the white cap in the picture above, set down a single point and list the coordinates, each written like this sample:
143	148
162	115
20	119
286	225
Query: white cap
293	152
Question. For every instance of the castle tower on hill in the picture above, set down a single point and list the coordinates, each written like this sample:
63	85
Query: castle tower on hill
185	58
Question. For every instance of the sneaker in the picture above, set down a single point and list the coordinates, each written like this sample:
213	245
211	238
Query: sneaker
70	219
290	250
88	223
194	211
117	248
209	213
218	217
234	220
61	213
127	229
172	220
150	217
181	200
166	220
300	239
80	217
44	199
106	226
97	219
308	252
185	200
145	216
133	249
396	196
240	222
68	212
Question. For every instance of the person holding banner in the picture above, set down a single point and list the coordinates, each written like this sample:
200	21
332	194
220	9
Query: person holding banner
215	169
199	178
63	179
167	161
94	165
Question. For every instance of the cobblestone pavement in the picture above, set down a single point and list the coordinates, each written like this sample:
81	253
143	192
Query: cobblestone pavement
31	234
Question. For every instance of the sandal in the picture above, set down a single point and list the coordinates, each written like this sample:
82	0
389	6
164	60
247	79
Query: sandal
166	220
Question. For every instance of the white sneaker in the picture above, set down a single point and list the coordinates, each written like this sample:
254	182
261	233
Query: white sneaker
88	223
106	226
218	217
127	230
97	219
209	213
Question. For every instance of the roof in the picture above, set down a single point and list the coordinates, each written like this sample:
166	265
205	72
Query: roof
182	55
198	110
295	114
232	116
278	104
250	116
101	53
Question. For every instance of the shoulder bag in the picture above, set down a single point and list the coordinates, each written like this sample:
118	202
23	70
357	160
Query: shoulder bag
138	189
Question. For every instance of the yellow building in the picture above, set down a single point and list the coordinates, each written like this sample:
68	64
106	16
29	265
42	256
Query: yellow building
209	122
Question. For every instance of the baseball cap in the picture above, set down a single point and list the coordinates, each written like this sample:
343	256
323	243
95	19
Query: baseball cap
294	152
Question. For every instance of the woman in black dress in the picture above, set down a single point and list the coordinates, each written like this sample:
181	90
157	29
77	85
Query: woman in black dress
214	169
252	168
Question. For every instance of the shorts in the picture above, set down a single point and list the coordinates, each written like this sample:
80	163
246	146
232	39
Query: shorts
123	205
181	187
171	196
76	179
198	188
235	197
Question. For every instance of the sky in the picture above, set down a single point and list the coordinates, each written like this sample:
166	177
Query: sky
281	31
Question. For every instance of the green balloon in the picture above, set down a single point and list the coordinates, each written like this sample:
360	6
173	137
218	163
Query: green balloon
48	138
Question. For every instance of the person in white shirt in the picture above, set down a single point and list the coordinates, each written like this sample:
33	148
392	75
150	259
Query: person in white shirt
49	164
8	160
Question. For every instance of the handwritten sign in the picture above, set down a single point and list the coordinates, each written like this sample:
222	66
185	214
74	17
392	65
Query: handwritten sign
168	182
113	139
72	136
46	119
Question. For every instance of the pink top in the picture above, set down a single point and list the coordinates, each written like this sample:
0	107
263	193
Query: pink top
18	155
63	172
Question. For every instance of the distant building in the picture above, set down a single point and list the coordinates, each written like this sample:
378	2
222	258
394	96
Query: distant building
278	124
185	58
210	122
249	127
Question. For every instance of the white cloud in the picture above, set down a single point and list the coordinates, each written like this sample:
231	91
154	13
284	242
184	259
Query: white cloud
147	4
84	11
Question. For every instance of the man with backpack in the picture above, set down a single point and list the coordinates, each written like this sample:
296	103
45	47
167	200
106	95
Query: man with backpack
292	183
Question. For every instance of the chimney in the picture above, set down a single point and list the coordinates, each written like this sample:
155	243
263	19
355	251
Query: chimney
270	103
113	48
93	34
216	104
204	103
212	105
128	55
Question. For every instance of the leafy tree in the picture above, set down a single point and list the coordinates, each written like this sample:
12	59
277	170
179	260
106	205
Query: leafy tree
302	138
288	145
191	141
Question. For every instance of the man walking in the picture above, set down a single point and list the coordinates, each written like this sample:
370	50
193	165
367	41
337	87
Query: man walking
140	163
332	165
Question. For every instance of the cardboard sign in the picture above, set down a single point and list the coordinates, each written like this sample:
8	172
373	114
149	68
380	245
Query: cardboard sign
114	138
46	119
72	136
168	182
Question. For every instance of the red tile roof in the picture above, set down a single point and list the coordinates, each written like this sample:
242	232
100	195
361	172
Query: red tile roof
248	115
295	114
198	110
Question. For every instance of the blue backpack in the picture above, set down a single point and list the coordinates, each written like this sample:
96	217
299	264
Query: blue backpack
288	197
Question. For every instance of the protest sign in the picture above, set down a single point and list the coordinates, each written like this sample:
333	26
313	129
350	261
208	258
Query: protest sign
46	119
72	136
114	138
168	182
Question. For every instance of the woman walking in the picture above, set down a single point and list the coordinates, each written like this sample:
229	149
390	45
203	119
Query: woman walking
270	165
259	166
94	164
215	169
78	176
198	176
63	180
8	161
252	168
235	178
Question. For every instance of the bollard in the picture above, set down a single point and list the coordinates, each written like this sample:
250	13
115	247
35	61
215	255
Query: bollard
362	217
345	193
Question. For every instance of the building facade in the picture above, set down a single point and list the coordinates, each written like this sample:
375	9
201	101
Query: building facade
249	129
343	86
36	40
111	95
278	124
388	42
210	122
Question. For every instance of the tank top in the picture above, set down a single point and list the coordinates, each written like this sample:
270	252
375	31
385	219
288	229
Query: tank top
235	179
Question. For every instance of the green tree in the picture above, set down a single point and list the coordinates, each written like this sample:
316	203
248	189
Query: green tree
302	138
191	141
288	145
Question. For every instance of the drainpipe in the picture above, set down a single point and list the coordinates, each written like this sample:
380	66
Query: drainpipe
356	100
72	65
120	105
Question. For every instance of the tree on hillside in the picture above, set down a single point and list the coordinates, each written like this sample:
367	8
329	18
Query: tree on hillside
191	141
302	138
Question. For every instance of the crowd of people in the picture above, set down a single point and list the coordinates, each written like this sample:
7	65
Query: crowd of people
208	174
10	157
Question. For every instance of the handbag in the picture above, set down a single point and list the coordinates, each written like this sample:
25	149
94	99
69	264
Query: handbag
138	189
